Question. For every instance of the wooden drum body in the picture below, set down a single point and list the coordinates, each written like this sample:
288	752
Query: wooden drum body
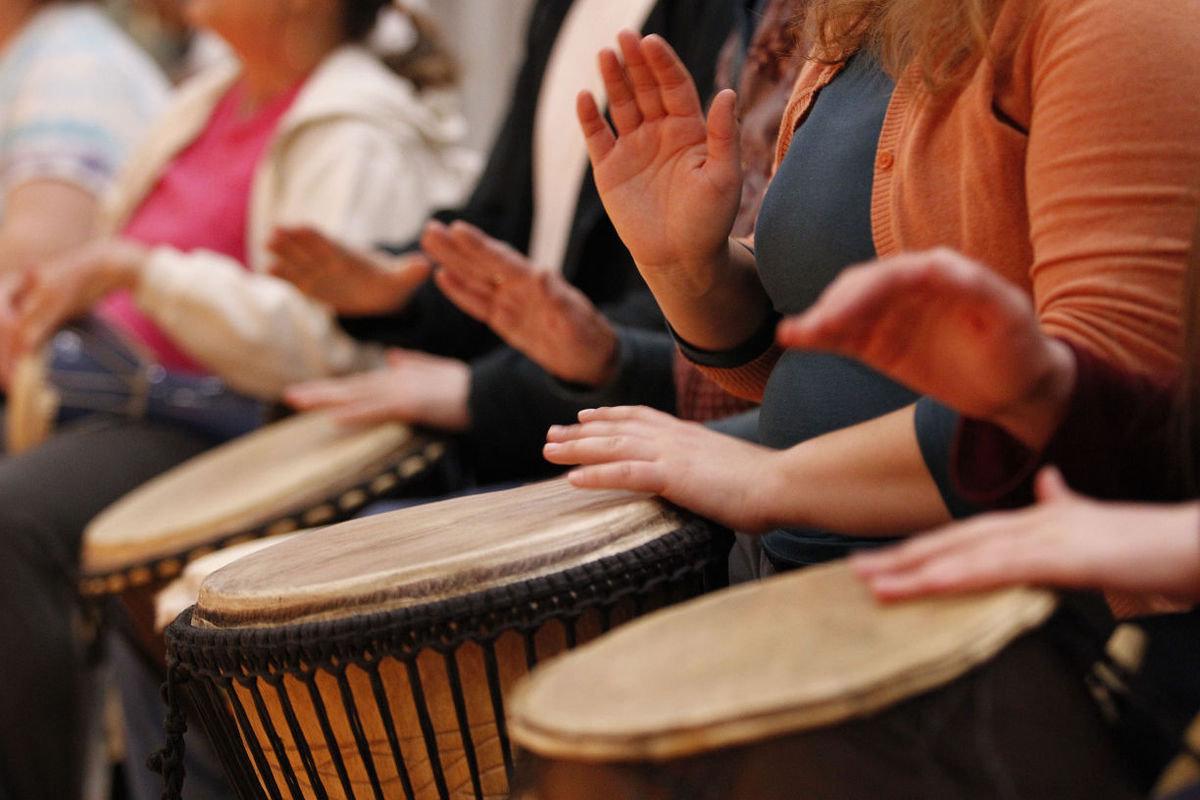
801	687
374	658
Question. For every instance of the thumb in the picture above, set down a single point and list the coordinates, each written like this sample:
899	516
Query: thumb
1050	487
724	145
415	269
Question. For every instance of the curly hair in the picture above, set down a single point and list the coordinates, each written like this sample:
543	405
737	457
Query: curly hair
944	38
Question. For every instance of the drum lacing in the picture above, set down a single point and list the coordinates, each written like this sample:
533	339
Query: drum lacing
168	762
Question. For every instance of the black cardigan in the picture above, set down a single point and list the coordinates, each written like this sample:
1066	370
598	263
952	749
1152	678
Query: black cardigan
512	401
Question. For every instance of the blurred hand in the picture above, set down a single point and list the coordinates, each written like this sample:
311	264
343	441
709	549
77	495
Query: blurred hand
351	282
36	303
947	327
535	311
414	388
1065	541
643	450
670	180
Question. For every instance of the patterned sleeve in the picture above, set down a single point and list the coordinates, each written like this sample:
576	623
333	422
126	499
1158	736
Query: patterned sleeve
77	98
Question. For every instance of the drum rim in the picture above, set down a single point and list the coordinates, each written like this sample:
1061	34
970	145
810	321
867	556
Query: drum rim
386	479
443	625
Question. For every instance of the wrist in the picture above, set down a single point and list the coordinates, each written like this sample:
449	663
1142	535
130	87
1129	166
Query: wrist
604	359
769	491
1036	416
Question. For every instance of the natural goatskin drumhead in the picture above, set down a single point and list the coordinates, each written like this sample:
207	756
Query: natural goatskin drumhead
428	553
181	593
234	487
795	652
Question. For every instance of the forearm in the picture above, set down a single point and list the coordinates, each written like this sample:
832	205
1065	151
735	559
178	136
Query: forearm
716	305
867	479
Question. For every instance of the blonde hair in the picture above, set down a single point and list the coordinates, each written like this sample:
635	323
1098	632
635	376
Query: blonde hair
945	39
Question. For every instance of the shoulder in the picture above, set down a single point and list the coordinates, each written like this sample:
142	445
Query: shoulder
69	35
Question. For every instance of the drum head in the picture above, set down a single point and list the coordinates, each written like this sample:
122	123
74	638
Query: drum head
432	552
250	482
32	405
181	593
795	652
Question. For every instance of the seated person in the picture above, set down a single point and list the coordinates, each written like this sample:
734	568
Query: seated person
309	128
77	96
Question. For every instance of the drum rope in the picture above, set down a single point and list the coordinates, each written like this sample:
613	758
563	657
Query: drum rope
169	761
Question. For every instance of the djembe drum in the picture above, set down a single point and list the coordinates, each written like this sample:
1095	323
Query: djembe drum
802	687
301	472
373	658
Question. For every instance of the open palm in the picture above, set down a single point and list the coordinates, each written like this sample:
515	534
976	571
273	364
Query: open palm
669	179
944	326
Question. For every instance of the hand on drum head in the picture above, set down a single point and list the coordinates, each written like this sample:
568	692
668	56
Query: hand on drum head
353	283
36	303
643	450
950	328
534	310
414	388
1066	540
669	178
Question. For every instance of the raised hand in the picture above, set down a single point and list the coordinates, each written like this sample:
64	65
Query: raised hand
947	327
642	450
352	282
670	180
1065	541
414	388
535	311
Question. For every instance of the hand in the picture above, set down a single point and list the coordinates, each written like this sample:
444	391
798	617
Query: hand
36	303
352	283
414	388
671	181
947	327
1066	541
643	450
534	311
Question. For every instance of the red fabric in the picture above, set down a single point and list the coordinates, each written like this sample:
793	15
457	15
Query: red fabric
201	202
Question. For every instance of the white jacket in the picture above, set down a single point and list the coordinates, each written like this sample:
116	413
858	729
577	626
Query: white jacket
360	155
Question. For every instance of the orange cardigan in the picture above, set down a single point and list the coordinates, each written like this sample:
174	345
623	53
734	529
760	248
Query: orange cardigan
1071	167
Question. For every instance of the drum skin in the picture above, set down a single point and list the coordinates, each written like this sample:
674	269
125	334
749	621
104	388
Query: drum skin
374	658
1022	726
801	686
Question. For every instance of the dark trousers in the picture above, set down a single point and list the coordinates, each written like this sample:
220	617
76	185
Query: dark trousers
47	497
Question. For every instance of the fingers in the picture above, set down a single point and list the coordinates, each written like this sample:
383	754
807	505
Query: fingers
593	449
367	412
474	299
596	132
641	77
632	476
641	413
320	394
622	104
678	91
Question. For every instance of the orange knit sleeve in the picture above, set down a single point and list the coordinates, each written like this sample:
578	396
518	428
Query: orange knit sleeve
1113	172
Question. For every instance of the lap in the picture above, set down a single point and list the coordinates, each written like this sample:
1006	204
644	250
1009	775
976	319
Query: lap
59	486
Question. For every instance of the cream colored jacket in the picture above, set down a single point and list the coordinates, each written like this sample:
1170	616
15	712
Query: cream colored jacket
359	155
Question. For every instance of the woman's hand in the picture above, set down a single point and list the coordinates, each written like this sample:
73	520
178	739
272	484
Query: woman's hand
1066	540
414	388
671	181
535	311
35	304
352	283
950	328
643	450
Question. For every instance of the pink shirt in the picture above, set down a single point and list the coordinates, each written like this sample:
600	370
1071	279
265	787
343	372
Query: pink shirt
201	201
